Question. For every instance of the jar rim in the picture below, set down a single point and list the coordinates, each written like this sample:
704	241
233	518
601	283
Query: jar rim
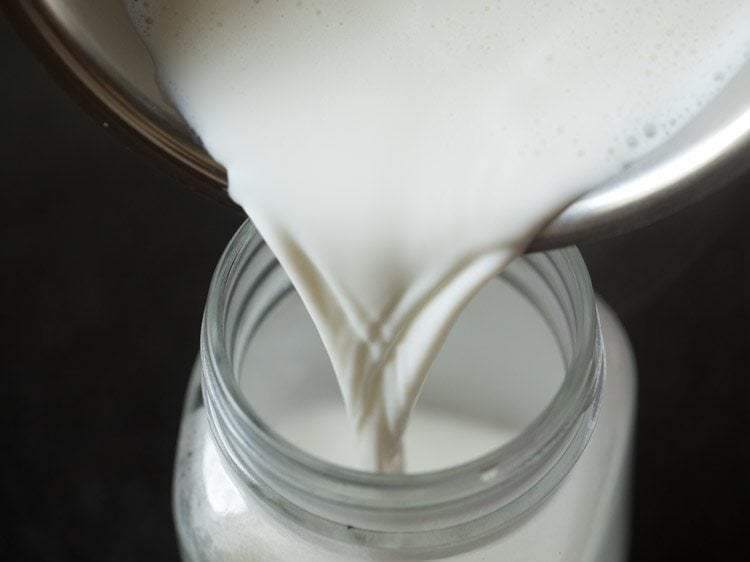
277	470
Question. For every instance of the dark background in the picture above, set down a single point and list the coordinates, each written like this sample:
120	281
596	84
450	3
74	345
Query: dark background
105	263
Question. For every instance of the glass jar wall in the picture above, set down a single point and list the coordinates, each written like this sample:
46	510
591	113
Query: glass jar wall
519	446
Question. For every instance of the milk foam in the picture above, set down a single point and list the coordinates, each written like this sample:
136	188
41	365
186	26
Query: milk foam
395	155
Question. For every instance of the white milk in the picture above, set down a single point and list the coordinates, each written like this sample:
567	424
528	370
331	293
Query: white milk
446	428
396	154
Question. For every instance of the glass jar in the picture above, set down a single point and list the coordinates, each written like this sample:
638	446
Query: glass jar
554	367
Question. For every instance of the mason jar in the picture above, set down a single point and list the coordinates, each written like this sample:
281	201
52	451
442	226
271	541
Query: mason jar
537	384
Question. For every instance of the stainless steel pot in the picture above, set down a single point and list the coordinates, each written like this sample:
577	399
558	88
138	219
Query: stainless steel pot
96	54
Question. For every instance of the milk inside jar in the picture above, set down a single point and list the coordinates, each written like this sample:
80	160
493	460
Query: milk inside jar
529	405
397	155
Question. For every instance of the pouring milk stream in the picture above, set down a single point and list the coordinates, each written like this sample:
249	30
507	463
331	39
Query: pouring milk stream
397	154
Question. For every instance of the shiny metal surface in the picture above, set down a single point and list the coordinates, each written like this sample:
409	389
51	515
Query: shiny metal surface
92	49
94	53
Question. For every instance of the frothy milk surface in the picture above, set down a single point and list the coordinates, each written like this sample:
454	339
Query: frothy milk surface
396	154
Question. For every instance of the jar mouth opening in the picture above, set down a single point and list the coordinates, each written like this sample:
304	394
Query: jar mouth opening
246	439
216	358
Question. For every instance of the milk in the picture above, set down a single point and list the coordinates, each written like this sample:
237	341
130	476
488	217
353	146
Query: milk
395	155
446	428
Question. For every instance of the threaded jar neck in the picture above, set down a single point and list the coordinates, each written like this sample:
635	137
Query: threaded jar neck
409	512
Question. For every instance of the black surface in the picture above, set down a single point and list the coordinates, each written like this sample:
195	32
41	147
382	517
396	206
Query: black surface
105	266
